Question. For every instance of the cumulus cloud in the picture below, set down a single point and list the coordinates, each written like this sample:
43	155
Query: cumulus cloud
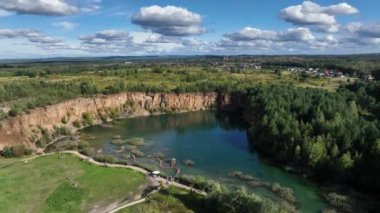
107	37
253	39
169	21
371	30
39	7
249	34
157	38
312	14
108	41
35	37
65	25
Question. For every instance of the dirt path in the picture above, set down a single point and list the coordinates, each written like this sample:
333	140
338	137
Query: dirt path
127	205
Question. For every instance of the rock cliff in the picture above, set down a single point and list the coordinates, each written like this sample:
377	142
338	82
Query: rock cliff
28	128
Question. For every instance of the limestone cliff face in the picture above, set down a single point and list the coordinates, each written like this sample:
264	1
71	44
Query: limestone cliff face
27	128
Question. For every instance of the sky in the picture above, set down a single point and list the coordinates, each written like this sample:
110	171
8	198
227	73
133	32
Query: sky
90	28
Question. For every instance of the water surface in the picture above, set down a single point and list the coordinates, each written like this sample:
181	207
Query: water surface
218	145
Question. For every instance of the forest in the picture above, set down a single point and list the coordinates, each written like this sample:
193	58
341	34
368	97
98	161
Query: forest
334	136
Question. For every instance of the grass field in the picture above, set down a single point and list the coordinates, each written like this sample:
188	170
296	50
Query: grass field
169	200
63	183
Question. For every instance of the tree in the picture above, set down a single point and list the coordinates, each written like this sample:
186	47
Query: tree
297	153
88	88
345	161
334	151
317	152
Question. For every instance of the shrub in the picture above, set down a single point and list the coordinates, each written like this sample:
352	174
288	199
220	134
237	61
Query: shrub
138	153
131	148
159	155
284	192
83	144
114	114
118	142
105	159
88	88
8	152
122	162
88	151
64	120
45	138
63	131
135	141
77	124
87	118
63	145
16	110
103	117
16	151
198	182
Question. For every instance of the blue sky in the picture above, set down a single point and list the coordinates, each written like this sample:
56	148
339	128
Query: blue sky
50	28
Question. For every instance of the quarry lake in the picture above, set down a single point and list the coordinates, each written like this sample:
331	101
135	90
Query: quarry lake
214	145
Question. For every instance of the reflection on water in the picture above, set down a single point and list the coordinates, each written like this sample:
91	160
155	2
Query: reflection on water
217	145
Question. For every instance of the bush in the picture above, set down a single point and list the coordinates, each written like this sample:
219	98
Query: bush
45	138
87	118
131	148
88	151
8	152
16	151
135	141
105	159
138	153
77	124
64	120
118	142
159	155
284	192
114	114
16	110
103	117
83	144
63	131
122	162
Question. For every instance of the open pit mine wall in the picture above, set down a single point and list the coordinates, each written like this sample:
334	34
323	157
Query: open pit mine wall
27	128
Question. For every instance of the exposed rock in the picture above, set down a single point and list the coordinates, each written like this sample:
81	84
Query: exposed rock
26	128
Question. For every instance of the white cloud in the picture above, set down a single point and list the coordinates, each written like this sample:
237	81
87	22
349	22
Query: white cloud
371	30
312	14
39	7
90	8
249	34
65	25
169	21
107	37
34	37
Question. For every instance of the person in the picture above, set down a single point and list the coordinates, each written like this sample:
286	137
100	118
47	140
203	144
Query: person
177	171
173	162
133	157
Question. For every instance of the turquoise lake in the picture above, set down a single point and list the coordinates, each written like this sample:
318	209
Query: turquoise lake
217	145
